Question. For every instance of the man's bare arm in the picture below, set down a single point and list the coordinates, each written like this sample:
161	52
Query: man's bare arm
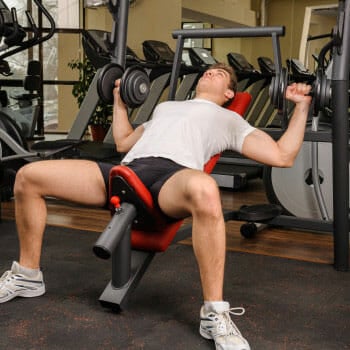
261	147
125	136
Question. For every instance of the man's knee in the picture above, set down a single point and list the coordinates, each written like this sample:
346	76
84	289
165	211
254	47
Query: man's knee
24	179
205	195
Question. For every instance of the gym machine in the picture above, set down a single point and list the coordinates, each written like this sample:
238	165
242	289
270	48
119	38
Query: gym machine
14	39
199	57
135	86
98	48
330	95
245	71
325	91
28	102
13	144
266	116
311	174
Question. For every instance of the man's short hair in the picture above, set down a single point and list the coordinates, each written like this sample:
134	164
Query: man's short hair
233	78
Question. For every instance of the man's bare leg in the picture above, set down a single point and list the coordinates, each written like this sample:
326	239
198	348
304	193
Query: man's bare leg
196	193
77	181
192	192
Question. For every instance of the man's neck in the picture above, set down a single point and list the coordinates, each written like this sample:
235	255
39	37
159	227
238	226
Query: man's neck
208	97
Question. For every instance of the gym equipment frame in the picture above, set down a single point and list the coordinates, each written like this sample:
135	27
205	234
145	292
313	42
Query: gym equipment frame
339	85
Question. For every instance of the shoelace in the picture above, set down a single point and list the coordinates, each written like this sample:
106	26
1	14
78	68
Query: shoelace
226	326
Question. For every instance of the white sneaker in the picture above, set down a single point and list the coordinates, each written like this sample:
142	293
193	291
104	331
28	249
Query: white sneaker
216	324
14	284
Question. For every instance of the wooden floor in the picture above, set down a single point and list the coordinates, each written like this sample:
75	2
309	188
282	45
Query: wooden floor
306	246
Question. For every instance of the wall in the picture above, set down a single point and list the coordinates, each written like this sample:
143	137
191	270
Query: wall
153	20
157	19
227	13
148	20
291	15
318	21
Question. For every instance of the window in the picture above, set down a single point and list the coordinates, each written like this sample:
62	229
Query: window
54	54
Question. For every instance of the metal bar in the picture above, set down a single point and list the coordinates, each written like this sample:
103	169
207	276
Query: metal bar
340	97
229	32
115	231
30	43
182	34
117	298
176	67
316	37
121	260
276	53
120	49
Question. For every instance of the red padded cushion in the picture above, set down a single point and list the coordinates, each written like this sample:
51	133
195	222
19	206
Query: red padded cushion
240	103
159	236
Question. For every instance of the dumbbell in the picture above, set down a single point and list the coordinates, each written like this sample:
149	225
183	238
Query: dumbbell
321	90
134	84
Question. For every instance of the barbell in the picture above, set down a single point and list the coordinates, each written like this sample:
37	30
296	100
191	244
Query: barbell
321	91
134	84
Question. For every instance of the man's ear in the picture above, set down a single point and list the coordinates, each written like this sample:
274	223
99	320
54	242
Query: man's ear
229	94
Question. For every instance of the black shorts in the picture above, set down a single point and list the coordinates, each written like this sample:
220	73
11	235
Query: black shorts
152	171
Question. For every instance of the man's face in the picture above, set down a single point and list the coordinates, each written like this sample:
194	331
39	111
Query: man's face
214	81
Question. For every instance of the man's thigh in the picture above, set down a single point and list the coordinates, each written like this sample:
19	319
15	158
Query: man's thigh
175	195
73	180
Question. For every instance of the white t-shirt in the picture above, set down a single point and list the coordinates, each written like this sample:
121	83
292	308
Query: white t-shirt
190	132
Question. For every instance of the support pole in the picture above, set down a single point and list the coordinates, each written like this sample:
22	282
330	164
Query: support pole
340	98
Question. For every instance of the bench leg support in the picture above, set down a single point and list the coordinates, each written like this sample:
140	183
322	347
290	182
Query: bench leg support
116	297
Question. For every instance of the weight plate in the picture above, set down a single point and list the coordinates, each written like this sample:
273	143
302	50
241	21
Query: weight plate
283	82
277	89
135	86
106	81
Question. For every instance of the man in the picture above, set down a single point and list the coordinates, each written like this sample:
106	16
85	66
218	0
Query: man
168	154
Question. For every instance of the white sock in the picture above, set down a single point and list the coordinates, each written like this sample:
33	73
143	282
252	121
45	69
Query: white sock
17	268
217	306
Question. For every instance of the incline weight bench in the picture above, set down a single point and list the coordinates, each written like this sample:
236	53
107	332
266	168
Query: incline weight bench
138	229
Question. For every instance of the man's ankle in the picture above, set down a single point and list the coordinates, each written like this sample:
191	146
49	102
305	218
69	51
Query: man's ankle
29	272
217	306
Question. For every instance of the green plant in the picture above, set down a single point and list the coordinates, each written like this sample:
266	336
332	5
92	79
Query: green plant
103	113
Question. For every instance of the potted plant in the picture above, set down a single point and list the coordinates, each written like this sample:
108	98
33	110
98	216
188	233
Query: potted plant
102	117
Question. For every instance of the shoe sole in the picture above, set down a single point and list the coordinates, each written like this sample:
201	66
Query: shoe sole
24	294
209	337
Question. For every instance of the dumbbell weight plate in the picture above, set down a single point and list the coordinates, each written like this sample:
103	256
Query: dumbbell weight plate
277	89
134	86
322	92
106	81
273	90
282	87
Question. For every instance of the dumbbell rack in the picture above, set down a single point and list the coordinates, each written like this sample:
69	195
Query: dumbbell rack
339	227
